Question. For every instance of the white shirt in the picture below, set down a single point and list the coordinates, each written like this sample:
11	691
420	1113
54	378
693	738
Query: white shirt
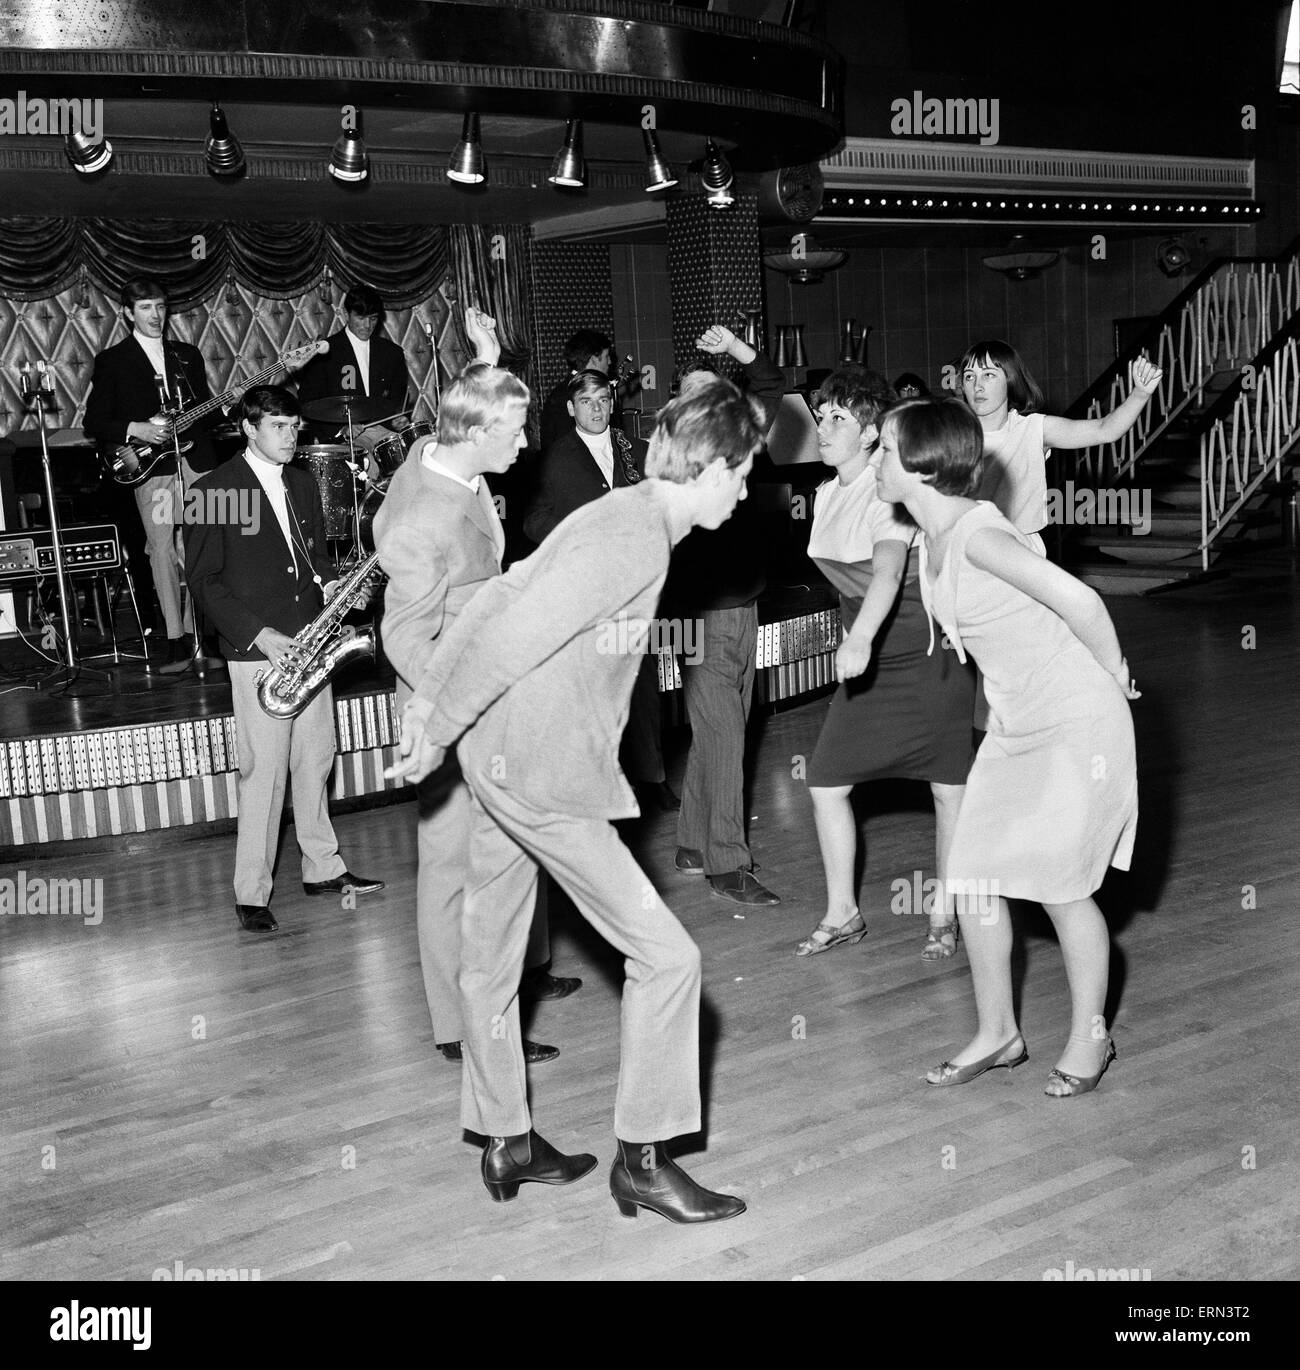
271	478
153	349
478	487
601	448
362	350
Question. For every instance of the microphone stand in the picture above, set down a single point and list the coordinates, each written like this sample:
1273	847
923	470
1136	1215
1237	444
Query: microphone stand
198	661
41	394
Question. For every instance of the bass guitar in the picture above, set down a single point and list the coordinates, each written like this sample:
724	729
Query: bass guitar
135	460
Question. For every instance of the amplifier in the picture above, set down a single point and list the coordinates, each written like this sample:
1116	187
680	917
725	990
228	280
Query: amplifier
88	549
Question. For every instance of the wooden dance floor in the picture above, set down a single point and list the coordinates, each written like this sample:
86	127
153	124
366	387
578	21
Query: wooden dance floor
177	1091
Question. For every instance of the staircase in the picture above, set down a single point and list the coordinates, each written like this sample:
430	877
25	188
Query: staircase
1209	463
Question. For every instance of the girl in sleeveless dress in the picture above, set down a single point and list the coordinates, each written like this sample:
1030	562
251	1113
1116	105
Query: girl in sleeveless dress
1051	800
1017	438
898	712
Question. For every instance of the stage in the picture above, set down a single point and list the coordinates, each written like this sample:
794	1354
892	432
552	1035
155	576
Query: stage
135	752
178	1091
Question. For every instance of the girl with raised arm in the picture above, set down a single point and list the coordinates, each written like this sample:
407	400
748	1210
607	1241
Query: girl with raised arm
1006	400
1051	800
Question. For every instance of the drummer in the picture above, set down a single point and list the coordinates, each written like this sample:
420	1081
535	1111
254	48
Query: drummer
363	367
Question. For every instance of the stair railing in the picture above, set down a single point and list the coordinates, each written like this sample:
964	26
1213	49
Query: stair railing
1227	314
1249	431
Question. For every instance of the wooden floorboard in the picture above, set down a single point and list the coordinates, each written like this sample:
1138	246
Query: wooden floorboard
276	1104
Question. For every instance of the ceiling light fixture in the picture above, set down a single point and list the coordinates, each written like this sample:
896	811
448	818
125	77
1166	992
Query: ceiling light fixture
1020	262
466	166
349	160
717	176
222	153
659	175
570	166
86	154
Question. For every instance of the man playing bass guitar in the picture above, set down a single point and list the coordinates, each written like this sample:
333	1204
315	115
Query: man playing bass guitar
135	383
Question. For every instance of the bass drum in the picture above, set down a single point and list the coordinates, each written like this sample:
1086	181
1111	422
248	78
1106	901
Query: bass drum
369	508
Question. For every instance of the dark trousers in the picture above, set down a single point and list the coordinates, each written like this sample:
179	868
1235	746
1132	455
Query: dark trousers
719	690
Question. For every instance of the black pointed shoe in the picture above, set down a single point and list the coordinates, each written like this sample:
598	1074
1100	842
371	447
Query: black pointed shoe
742	887
255	918
534	1052
689	860
539	984
509	1162
340	884
646	1176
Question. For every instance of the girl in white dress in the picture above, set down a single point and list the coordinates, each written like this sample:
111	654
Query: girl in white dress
1051	799
1017	438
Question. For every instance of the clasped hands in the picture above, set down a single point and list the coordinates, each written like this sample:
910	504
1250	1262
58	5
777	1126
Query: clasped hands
417	755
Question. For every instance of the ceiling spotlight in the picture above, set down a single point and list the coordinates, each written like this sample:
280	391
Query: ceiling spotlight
716	173
222	153
466	165
570	167
1173	256
659	175
349	160
86	154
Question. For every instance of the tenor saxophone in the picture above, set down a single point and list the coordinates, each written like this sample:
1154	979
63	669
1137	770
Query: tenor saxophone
320	648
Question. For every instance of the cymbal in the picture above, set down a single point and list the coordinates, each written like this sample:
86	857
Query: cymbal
54	437
336	408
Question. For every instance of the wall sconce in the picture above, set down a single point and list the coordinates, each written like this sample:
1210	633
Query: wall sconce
789	345
222	153
854	348
466	165
1173	256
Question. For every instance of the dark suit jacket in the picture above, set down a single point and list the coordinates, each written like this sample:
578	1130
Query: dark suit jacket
245	581
123	391
570	478
337	373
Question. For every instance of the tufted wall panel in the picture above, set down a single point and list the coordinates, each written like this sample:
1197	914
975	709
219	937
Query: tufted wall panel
236	332
571	290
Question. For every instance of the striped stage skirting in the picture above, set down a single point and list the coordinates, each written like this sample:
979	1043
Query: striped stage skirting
103	782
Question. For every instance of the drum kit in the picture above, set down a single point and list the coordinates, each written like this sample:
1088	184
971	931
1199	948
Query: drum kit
352	474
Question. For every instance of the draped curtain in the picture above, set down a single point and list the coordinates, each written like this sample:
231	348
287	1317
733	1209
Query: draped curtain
491	265
39	257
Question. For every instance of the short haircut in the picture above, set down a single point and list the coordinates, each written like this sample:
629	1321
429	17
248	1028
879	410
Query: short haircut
942	440
268	399
865	394
909	380
583	345
361	299
477	397
141	288
588	383
710	418
1023	391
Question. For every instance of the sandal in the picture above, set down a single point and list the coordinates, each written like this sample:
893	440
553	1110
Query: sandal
941	943
847	934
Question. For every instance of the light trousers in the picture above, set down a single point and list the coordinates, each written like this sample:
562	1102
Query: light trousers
659	1056
273	751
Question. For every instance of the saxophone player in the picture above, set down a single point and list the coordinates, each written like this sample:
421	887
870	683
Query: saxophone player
256	564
